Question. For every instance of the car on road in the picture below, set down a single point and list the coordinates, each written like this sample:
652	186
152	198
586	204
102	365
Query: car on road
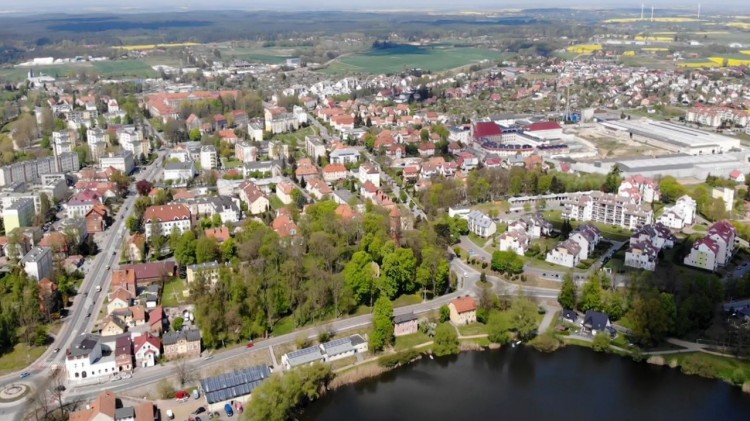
250	345
25	374
56	350
109	267
199	410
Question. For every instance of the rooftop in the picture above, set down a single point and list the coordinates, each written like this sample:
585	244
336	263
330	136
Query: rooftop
232	385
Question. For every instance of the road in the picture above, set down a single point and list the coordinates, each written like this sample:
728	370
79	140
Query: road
82	315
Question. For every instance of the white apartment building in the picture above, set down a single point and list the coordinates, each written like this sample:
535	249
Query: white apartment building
209	158
680	215
63	141
165	219
566	253
515	241
607	208
121	161
481	224
639	189
368	172
37	263
245	152
131	139
179	173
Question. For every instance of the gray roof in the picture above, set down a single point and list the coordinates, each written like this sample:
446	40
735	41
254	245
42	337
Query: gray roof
235	384
126	412
191	335
261	165
337	346
403	318
35	254
83	345
479	218
305	356
178	166
205	266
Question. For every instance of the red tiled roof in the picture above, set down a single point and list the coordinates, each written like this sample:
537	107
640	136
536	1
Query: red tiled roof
166	213
543	125
464	304
485	129
220	234
334	168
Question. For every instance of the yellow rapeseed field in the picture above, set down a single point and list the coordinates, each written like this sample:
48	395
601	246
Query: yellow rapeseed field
697	65
584	48
655	49
741	25
731	62
152	46
653	38
629	53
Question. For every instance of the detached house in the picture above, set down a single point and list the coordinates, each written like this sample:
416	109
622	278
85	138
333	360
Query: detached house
183	344
566	253
463	310
147	349
515	241
254	198
481	224
405	324
715	249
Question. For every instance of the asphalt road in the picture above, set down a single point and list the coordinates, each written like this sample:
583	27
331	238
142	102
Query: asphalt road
82	315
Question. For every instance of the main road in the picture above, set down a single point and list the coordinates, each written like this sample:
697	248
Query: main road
88	301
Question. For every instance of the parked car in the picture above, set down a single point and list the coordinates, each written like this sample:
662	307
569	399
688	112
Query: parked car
228	409
199	410
250	345
25	374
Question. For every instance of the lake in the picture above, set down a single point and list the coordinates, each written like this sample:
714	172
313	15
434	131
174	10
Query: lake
522	384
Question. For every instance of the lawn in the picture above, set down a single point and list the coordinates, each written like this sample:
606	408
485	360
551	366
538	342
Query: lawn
131	68
403	57
479	241
410	341
173	294
473	329
21	356
283	326
276	203
232	164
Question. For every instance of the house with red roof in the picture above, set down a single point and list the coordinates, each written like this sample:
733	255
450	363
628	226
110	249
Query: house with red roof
737	176
147	349
463	310
426	149
254	198
318	188
220	234
96	218
544	130
484	131
334	172
165	219
284	226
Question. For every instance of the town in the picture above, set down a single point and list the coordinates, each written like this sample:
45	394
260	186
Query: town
174	243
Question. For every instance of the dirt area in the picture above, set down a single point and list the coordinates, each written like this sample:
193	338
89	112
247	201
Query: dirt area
537	281
610	147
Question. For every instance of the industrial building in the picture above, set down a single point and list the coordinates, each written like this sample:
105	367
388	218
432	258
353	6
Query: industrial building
680	166
671	136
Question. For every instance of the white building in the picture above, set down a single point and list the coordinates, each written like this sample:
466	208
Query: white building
253	197
315	147
680	215
726	194
534	226
245	152
63	142
131	139
37	263
715	249
607	208
85	360
179	173
639	189
642	255
209	158
121	161
515	241
481	224
344	156
368	172
566	253
166	218
703	254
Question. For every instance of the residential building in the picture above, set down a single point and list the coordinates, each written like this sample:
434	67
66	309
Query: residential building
737	176
607	208
318	188
325	352
253	197
209	159
179	173
121	161
147	349
63	142
284	191
165	219
31	171
37	263
85	359
681	214
284	225
132	140
81	203
208	272
96	218
278	120
344	156
304	356
703	254
405	324
334	172
640	189
515	241
97	140
596	322
463	310
533	225
368	172
566	253
18	214
183	344
726	194
106	408
642	255
481	224
245	152
315	147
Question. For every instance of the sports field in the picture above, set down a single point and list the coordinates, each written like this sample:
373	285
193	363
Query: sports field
403	57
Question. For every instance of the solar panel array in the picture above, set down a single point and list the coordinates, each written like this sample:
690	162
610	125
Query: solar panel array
237	383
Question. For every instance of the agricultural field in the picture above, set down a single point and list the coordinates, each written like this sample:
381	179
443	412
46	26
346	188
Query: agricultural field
132	68
648	19
119	68
262	55
398	58
153	46
584	48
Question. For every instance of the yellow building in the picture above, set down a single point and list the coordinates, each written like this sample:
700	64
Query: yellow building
19	214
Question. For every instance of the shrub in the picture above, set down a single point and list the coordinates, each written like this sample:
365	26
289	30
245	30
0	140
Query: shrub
545	343
399	358
601	342
445	314
166	390
697	365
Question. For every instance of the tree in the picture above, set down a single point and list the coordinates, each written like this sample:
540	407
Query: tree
121	180
177	324
568	292
184	371
601	342
445	341
279	397
445	314
24	131
382	324
143	187
506	262
133	224
591	295
195	134
523	318
44	208
184	253
359	277
498	328
228	250
652	315
670	189
399	270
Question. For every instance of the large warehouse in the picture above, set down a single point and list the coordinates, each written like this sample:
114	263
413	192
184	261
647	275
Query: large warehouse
670	136
680	166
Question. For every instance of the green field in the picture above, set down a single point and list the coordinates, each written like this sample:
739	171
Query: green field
263	55
107	69
403	57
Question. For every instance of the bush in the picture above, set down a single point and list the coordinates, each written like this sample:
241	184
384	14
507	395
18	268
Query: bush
700	366
446	340
177	323
545	343
166	390
445	314
302	341
601	342
325	335
399	358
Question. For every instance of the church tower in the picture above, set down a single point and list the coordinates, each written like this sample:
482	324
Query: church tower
395	217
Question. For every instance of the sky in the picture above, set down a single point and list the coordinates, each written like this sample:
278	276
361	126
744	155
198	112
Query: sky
78	6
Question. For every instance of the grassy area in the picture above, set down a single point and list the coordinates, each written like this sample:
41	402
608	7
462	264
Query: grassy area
407	300
473	329
479	241
500	206
21	356
172	295
115	68
403	57
409	341
731	370
276	203
283	326
232	164
132	68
